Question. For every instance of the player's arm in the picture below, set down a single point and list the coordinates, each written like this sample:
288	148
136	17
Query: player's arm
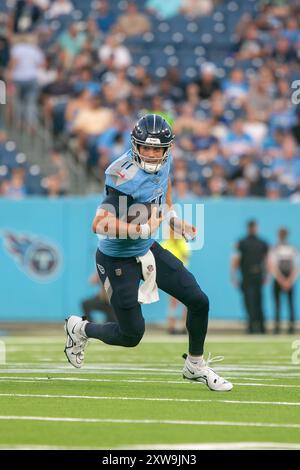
169	198
108	224
179	226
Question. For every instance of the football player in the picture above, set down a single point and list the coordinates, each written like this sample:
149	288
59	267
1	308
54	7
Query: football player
136	185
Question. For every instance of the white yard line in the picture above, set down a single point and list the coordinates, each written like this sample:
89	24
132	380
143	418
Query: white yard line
159	338
179	400
258	369
219	446
144	381
150	421
184	446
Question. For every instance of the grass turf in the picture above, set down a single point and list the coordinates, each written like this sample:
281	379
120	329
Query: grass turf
128	398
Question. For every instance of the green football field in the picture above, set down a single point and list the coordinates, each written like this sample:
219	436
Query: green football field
136	398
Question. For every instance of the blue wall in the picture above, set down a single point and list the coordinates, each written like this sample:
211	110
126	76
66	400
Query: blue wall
64	225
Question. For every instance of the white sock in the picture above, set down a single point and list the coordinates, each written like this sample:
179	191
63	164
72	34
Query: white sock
195	359
82	329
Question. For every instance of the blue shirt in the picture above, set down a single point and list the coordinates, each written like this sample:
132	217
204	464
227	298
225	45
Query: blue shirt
128	178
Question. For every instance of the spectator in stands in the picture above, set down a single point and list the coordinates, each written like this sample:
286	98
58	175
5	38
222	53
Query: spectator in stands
52	184
119	84
255	128
192	94
205	144
48	73
26	60
58	167
251	45
185	122
15	188
261	93
181	190
55	93
85	80
105	19
286	168
196	8
170	93
164	10
292	30
132	22
216	186
94	36
60	8
26	14
113	53
77	102
249	111
4	49
240	188
236	88
248	170
180	169
237	142
283	52
117	139
208	83
273	190
283	264
158	107
92	121
71	42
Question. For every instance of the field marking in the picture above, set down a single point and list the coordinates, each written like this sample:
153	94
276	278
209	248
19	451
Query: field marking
219	446
25	378
146	381
159	338
150	421
258	369
183	446
180	400
237	375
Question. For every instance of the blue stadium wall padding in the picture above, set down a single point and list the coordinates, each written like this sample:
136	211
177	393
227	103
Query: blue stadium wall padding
47	253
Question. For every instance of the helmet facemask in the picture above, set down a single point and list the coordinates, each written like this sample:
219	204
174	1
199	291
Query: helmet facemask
149	164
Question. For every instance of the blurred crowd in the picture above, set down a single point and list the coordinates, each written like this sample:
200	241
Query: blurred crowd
223	73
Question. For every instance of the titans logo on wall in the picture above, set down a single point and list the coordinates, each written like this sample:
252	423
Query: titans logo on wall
36	257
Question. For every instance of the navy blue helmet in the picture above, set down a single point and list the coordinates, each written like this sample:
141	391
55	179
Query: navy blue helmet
152	130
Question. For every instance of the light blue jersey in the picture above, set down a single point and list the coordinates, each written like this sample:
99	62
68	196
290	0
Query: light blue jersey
125	176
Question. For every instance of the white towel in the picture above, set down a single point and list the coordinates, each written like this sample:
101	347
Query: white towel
148	291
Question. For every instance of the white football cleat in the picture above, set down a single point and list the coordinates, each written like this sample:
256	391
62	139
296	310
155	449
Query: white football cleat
201	372
76	340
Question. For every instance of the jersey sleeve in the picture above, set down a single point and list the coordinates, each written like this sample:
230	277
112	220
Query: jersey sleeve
121	175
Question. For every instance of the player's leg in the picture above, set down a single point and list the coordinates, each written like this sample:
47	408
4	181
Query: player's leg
121	278
171	318
173	278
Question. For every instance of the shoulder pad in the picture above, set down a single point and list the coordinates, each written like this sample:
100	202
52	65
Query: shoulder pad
122	171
